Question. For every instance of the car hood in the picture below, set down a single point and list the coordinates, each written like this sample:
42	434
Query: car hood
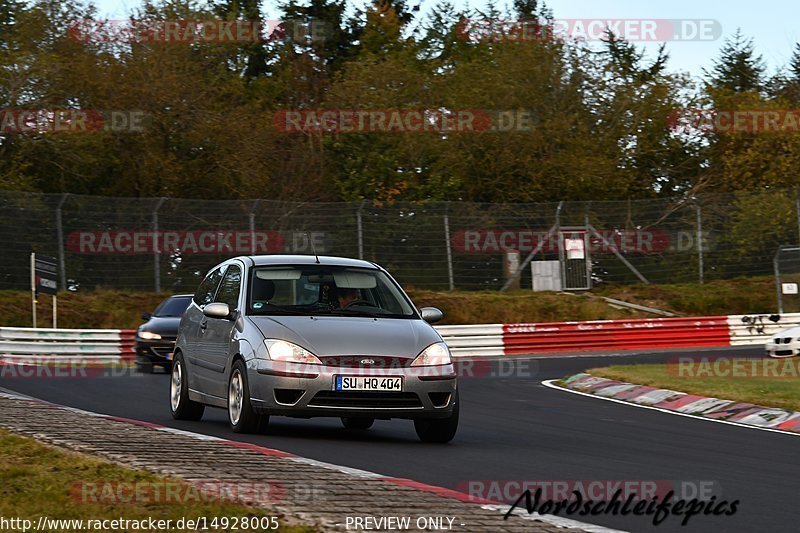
791	332
165	326
335	335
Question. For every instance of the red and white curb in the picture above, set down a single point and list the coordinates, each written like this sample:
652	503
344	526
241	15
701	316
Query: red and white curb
561	522
706	408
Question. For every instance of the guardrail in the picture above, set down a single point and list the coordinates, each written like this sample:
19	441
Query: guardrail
480	340
84	345
634	334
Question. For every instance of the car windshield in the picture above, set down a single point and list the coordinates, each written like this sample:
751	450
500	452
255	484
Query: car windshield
172	307
326	290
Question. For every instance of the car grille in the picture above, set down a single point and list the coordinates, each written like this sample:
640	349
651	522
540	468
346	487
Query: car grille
784	352
366	400
162	351
355	361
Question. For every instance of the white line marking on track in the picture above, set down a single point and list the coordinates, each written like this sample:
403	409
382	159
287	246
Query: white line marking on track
197	436
550	383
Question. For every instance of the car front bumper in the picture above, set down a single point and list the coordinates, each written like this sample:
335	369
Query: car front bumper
308	391
155	351
782	350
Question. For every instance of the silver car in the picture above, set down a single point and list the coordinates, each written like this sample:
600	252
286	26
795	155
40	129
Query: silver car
307	336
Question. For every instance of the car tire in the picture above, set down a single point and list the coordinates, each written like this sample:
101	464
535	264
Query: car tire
357	423
181	406
438	430
242	418
144	368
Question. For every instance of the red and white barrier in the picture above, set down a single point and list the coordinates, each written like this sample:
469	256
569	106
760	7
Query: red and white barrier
634	334
19	345
480	340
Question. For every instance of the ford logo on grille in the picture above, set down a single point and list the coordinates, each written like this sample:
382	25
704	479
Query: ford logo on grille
367	361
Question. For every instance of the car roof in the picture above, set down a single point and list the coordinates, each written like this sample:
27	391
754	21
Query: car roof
181	296
280	259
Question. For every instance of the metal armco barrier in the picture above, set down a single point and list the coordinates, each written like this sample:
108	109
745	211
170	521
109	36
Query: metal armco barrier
616	334
100	345
757	328
480	340
636	334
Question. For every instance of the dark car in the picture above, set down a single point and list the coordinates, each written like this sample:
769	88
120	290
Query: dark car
155	339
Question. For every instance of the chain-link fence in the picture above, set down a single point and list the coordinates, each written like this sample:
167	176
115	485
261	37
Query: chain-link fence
167	244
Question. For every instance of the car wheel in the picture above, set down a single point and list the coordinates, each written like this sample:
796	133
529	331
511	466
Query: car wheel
241	415
439	430
357	423
182	407
144	368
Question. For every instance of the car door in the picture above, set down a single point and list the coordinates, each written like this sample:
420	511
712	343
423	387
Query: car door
190	331
218	333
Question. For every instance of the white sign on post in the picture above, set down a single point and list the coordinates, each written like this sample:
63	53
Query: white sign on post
575	248
789	288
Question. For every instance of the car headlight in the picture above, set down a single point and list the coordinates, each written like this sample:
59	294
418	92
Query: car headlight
147	335
279	350
434	355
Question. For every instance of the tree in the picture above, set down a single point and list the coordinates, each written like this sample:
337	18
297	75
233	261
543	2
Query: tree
786	86
738	69
255	54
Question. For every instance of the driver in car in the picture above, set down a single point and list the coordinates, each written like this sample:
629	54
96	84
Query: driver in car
346	296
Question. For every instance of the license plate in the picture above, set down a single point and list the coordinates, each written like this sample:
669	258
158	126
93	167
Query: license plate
368	383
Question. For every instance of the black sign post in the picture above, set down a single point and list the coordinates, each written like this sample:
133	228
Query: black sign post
44	279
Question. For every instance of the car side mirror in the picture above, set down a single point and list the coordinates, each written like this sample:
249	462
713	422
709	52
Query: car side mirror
217	310
146	316
431	314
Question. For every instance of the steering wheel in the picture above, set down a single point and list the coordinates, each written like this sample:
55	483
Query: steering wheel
357	302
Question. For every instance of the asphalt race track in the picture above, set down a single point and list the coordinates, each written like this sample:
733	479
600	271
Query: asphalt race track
512	428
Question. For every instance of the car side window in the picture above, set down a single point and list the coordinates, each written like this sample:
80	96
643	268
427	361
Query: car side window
228	292
208	288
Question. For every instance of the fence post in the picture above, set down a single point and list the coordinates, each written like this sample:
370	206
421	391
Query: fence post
700	267
252	221
156	247
797	208
60	235
777	268
360	231
587	245
448	247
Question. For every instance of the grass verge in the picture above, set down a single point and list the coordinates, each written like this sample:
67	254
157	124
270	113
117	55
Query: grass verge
782	392
40	480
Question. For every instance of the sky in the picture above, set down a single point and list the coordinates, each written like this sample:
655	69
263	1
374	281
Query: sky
771	23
